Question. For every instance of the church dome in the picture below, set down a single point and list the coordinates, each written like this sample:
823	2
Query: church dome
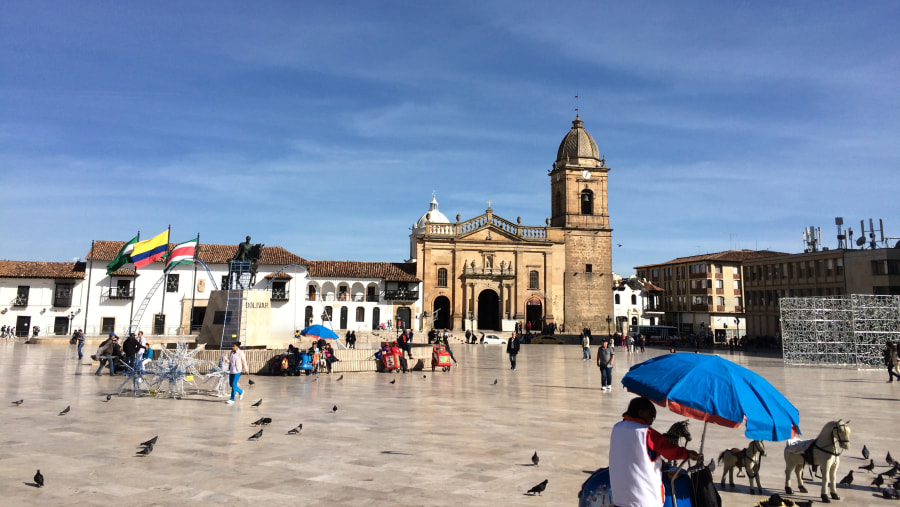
433	215
577	143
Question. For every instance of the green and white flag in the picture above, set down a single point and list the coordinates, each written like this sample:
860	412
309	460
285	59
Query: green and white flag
123	257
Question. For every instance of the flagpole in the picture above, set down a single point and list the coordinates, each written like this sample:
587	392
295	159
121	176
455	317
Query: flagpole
194	285
134	288
162	307
87	303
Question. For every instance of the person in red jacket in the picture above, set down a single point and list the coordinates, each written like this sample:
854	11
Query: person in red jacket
635	457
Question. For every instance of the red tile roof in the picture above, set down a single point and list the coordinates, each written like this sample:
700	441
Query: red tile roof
732	256
105	251
31	269
387	271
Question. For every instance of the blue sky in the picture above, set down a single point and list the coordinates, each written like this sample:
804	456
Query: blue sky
324	127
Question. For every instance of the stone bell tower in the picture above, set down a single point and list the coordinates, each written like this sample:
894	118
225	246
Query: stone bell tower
578	195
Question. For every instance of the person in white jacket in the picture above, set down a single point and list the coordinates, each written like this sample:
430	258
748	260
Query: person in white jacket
237	364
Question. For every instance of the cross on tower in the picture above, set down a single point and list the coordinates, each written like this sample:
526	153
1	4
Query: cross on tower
489	204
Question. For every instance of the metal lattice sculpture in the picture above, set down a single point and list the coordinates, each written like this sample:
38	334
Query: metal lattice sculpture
839	330
168	375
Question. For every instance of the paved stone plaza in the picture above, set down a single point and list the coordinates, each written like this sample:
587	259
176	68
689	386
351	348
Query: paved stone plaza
429	439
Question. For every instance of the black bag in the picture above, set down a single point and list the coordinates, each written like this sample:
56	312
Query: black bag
73	340
703	489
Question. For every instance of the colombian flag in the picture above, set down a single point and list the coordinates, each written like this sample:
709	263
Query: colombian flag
150	250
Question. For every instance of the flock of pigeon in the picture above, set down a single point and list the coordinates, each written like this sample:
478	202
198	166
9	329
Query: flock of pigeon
890	492
147	447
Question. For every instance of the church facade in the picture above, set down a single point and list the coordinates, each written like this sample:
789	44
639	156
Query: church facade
489	273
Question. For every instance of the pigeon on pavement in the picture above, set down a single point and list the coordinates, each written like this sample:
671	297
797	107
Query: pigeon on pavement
340	378
250	382
108	397
535	459
539	488
258	403
39	479
495	381
889	459
18	402
393	381
865	452
878	481
296	431
145	451
256	435
847	480
334	409
262	421
150	442
66	410
870	466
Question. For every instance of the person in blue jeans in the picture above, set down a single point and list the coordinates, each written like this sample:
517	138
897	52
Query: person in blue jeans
237	364
79	338
605	359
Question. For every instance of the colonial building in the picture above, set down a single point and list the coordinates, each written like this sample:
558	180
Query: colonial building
489	272
59	297
637	302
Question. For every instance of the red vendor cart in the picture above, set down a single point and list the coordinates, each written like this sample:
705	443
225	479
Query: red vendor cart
440	358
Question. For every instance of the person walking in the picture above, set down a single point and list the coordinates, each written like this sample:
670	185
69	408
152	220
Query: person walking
512	348
605	359
79	339
634	456
585	346
891	360
237	364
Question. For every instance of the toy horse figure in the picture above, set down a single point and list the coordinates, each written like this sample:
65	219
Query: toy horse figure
824	451
748	459
678	431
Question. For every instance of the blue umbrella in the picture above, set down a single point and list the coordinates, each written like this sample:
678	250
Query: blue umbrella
319	332
713	389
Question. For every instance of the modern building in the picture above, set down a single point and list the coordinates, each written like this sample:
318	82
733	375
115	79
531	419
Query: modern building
815	274
489	272
704	294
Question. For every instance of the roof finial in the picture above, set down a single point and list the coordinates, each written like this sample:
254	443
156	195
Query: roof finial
576	107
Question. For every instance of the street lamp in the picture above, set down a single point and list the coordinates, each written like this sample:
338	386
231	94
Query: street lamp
737	324
472	321
71	317
608	329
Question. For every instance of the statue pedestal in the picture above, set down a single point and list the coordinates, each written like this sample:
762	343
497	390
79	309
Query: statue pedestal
249	318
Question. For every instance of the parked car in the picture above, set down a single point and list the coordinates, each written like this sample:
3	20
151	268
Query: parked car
492	339
547	339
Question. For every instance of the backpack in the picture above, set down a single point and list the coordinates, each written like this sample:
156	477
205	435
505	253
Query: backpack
284	363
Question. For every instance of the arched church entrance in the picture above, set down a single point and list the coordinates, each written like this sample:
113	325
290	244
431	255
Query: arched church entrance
534	314
489	310
441	313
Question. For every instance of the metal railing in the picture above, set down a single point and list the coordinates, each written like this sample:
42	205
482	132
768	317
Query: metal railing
120	293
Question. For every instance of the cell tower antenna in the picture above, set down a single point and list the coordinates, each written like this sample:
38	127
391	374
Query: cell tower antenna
841	238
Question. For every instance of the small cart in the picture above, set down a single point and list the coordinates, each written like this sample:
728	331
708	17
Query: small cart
440	358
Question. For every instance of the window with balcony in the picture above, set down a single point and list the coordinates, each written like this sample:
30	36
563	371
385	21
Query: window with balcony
442	277
62	294
372	294
22	295
122	290
720	284
279	291
172	283
533	280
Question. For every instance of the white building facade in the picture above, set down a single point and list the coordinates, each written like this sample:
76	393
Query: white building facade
62	297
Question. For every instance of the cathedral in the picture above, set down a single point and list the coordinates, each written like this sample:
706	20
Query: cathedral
490	273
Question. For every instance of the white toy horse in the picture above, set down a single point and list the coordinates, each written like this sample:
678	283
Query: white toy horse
824	452
748	459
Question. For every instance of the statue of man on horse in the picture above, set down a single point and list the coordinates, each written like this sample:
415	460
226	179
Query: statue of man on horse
249	252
